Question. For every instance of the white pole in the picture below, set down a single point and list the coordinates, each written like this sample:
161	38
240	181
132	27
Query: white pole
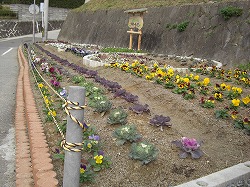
34	17
71	174
46	13
42	11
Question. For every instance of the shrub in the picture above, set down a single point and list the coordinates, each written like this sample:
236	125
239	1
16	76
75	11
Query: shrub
7	13
230	11
182	26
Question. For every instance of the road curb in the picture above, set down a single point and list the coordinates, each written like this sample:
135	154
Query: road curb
33	161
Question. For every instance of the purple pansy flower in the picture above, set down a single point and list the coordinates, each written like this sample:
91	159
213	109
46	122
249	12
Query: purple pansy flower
63	93
94	137
83	166
100	152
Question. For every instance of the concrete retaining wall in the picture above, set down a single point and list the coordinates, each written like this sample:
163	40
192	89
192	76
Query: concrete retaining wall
18	28
207	35
25	15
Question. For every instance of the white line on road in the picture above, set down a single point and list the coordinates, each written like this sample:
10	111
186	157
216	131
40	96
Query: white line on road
7	51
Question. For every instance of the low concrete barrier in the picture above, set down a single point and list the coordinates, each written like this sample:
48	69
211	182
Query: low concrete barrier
235	176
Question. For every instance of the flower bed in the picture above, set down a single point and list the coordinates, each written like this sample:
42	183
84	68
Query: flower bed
187	119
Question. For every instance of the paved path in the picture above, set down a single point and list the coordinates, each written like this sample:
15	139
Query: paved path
8	80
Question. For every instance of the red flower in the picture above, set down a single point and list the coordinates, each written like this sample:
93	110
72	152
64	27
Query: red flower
52	70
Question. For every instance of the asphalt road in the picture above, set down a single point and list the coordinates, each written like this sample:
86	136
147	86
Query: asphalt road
9	70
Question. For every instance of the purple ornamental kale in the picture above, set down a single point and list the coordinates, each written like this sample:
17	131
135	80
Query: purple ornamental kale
119	93
160	120
188	146
91	73
130	97
139	109
113	85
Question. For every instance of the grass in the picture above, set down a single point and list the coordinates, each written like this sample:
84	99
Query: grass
94	5
120	50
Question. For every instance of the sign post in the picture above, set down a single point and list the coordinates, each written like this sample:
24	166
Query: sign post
135	24
34	9
42	11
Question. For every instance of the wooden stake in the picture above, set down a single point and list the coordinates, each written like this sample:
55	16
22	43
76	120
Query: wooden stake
130	39
139	40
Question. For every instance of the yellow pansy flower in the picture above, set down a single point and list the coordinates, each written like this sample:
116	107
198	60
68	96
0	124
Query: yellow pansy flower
223	86
196	77
40	85
236	102
156	65
239	90
170	70
98	159
236	89
186	80
47	101
246	100
53	113
206	81
233	116
82	170
89	145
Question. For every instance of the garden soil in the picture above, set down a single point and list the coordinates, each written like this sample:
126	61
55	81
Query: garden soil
223	145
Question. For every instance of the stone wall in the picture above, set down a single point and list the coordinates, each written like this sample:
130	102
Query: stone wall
25	15
207	35
19	28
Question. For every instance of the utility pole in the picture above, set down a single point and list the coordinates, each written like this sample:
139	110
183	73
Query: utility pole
46	13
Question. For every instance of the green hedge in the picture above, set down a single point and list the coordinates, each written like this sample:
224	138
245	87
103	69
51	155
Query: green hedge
5	12
52	3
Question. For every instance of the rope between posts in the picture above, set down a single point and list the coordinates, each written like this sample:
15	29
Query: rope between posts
64	144
77	107
71	146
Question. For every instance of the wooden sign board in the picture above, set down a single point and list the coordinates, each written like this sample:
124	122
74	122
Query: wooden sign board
135	22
